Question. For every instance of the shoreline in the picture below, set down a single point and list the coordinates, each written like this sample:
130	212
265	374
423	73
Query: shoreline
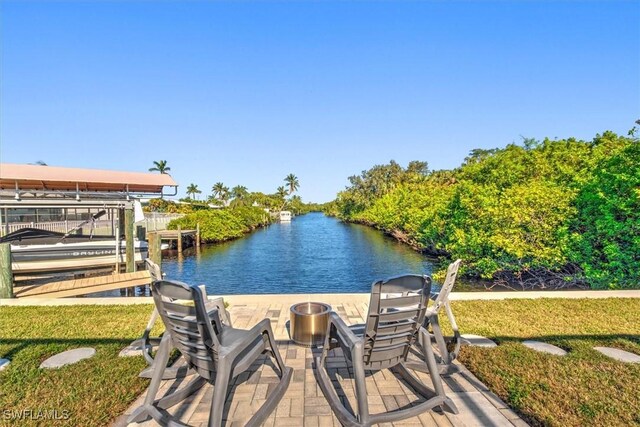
488	285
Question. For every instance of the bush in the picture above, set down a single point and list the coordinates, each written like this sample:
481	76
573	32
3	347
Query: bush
219	225
550	213
606	231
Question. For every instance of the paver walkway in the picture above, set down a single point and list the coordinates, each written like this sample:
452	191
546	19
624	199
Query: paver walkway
304	403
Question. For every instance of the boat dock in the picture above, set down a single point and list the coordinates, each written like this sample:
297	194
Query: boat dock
83	286
177	235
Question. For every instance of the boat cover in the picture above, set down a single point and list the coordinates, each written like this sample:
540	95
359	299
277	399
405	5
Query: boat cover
29	233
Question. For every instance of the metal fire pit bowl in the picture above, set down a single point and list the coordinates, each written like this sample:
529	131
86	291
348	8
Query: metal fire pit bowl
309	321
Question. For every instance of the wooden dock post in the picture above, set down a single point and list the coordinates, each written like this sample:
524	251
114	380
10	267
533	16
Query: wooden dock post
128	235
198	235
155	251
6	274
179	240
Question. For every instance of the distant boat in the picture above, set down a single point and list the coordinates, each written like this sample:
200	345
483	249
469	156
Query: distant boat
34	250
285	216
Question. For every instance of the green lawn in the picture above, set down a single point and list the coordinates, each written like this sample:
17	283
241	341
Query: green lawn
584	388
94	391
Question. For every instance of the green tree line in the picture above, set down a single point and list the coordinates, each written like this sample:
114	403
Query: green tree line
219	225
552	213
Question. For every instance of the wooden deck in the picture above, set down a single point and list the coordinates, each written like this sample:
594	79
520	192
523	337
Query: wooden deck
87	285
173	234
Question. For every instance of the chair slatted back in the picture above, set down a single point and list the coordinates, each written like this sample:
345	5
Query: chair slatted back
396	311
191	329
449	281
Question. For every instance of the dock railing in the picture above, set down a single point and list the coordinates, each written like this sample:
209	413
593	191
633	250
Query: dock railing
156	221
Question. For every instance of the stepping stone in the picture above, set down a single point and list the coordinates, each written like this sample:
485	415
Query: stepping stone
133	350
4	363
621	355
478	341
68	357
130	351
543	347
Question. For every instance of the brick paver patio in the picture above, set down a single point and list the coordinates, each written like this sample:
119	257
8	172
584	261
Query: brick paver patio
304	403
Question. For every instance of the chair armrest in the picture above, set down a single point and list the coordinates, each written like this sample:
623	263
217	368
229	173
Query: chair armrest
343	332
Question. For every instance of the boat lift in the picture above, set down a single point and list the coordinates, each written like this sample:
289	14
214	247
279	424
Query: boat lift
33	187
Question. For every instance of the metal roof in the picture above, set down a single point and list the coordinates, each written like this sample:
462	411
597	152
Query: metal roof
54	178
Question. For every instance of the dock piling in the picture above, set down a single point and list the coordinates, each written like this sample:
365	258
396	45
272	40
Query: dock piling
155	251
198	235
6	274
179	240
128	235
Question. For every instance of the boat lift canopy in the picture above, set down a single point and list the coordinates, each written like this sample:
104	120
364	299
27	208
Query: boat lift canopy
49	186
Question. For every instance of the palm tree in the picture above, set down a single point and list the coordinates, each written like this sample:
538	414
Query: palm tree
193	190
292	182
239	192
240	196
218	190
281	192
224	196
160	166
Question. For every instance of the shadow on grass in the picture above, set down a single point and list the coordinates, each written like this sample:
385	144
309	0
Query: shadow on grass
24	343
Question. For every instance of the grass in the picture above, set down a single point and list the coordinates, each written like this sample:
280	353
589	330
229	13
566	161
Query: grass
94	391
583	388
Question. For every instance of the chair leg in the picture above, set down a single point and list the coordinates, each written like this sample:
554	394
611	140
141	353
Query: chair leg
220	389
430	360
276	353
276	394
361	387
457	339
147	409
344	416
437	333
178	396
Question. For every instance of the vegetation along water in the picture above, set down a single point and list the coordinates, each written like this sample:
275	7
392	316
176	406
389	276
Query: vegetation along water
555	213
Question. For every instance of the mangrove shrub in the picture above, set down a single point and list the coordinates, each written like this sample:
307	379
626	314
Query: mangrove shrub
542	214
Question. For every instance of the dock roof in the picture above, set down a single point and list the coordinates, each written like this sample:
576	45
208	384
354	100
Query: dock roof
54	178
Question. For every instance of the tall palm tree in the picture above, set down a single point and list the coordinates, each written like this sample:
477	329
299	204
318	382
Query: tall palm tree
160	166
239	192
240	196
224	196
292	182
193	190
218	190
281	193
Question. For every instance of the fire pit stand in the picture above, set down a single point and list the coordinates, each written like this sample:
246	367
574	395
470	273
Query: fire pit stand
309	321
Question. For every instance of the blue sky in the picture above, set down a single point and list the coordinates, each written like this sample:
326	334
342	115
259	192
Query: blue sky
245	93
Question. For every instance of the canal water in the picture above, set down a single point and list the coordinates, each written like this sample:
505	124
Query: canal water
312	254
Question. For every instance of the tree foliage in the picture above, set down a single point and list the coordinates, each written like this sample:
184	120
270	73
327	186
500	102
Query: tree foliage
606	231
546	213
219	225
160	166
